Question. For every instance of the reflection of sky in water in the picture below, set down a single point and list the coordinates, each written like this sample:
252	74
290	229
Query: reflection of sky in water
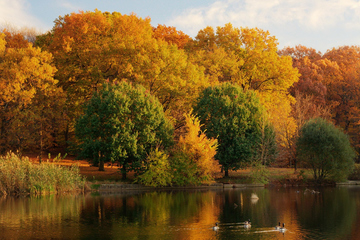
331	214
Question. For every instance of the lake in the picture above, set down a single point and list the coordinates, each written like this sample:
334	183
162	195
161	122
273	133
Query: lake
330	213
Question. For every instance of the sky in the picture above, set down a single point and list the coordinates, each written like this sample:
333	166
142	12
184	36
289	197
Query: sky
318	24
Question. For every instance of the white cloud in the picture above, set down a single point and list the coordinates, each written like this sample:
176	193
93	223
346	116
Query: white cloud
312	15
69	6
15	13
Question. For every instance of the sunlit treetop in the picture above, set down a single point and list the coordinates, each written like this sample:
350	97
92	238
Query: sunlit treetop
171	35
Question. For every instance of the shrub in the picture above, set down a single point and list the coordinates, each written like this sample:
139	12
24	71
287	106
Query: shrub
355	174
259	173
157	170
184	169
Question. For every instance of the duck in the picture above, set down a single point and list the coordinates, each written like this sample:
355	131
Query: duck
278	227
216	227
282	229
247	224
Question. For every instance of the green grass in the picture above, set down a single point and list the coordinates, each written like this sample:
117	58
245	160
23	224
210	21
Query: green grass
19	176
271	175
95	186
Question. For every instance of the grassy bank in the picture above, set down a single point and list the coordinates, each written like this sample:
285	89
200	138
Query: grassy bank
265	175
19	176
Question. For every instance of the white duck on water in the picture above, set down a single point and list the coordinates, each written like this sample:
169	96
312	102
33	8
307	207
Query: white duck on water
282	229
216	227
247	224
278	227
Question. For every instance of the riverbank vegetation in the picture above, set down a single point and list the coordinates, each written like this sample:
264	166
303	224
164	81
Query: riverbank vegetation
19	176
112	88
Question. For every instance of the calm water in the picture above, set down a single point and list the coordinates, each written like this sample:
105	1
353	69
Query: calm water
334	213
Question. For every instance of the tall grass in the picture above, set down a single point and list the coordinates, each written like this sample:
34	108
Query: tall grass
20	176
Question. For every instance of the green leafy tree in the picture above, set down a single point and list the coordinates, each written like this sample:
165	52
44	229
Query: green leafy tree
234	118
122	123
325	149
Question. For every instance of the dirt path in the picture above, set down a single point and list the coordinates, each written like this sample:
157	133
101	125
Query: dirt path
112	173
91	173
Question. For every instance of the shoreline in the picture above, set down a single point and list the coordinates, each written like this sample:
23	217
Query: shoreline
120	187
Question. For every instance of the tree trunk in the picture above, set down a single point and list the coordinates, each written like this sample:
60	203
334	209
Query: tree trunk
41	142
226	172
66	135
123	172
101	165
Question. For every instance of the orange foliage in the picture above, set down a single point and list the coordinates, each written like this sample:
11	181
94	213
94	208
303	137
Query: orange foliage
171	35
328	86
15	40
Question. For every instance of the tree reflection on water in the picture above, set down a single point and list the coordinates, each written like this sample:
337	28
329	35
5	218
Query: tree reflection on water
330	214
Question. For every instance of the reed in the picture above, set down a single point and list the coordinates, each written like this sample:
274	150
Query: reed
19	176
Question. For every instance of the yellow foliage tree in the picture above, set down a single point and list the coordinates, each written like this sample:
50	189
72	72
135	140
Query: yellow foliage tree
201	149
248	57
2	44
92	47
29	98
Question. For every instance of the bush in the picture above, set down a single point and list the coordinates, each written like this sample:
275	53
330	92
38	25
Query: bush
355	174
259	173
20	176
157	170
184	170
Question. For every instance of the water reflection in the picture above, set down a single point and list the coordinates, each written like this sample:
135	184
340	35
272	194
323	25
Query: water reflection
330	214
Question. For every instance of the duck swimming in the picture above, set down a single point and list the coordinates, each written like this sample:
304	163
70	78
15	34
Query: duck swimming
216	227
247	224
282	229
278	227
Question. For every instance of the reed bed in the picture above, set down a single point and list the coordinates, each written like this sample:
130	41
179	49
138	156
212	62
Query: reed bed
19	176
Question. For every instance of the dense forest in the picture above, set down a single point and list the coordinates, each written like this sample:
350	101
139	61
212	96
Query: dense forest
47	81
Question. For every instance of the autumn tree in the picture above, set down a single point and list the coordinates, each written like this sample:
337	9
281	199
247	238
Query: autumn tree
29	98
331	81
248	57
122	123
18	37
198	152
232	116
91	47
310	95
312	70
343	87
325	149
267	151
171	35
